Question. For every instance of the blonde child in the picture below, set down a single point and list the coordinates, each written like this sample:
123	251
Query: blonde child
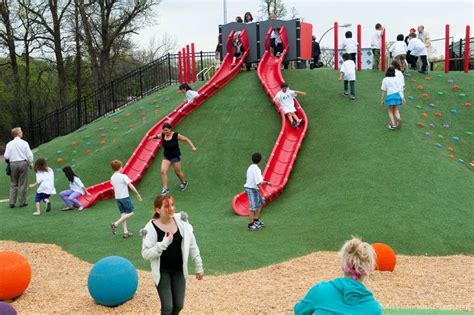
121	183
348	72
45	180
391	97
285	99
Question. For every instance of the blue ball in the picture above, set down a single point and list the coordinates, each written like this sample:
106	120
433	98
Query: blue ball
7	309
112	281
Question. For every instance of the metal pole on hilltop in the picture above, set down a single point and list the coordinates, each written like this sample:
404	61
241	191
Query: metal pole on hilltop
225	11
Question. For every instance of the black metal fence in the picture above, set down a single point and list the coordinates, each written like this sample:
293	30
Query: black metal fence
112	96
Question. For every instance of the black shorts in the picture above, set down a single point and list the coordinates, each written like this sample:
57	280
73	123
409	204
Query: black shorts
173	159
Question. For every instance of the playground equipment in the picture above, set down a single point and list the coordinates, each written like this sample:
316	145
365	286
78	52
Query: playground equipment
15	275
112	281
283	156
187	64
386	258
146	150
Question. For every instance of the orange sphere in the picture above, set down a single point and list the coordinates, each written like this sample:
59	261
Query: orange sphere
386	258
15	275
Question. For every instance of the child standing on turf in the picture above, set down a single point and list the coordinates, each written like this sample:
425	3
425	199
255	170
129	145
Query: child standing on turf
391	97
254	190
398	51
121	183
45	180
349	45
399	74
188	91
285	99
348	71
76	189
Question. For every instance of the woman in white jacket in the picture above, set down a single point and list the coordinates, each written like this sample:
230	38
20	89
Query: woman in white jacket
168	240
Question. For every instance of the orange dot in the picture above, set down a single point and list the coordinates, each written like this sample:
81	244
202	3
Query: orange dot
59	160
88	151
102	142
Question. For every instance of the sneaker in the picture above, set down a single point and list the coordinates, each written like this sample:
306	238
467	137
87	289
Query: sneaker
423	72
391	127
114	228
127	235
353	98
23	205
278	54
399	124
48	206
12	206
299	122
345	94
80	208
294	124
67	208
260	222
254	227
164	191
183	186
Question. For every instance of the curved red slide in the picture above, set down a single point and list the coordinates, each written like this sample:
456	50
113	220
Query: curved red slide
146	150
283	156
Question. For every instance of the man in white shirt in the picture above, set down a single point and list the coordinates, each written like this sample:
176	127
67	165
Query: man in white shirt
398	51
349	45
416	49
424	36
376	45
19	156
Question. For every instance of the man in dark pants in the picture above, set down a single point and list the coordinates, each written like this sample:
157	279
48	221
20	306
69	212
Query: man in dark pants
316	53
20	157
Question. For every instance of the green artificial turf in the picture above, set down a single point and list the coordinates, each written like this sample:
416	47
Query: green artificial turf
352	175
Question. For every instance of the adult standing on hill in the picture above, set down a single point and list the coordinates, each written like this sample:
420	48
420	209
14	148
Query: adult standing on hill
172	156
376	45
19	156
424	36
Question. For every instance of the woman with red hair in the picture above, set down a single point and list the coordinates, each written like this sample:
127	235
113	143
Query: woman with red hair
168	241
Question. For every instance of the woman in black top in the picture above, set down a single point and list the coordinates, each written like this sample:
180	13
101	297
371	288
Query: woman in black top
172	156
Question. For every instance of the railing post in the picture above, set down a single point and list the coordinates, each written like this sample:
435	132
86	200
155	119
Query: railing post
141	82
169	69
113	98
193	63
188	65
467	49
359	47
180	67
382	52
79	114
446	50
202	66
336	46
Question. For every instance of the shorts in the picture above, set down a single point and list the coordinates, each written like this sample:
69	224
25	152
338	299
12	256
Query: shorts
41	197
393	100
255	200
173	160
125	205
288	109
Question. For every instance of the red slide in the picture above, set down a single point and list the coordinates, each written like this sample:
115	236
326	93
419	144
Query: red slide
146	150
283	156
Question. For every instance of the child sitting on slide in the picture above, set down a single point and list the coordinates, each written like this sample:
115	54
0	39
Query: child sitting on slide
237	46
286	100
188	91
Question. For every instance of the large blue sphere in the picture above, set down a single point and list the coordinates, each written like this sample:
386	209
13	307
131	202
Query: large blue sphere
112	281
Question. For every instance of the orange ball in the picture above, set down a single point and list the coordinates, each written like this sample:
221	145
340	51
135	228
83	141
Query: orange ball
15	275
386	258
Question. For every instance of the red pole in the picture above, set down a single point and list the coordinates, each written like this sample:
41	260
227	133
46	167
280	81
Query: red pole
183	53
193	60
467	47
359	47
180	67
336	46
188	65
446	50
382	51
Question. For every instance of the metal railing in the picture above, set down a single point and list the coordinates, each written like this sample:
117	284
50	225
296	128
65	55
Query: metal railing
112	96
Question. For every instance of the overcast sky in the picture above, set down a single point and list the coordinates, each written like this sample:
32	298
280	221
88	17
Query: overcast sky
197	20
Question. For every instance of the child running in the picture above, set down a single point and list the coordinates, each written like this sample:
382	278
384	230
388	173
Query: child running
285	99
254	190
188	91
76	189
391	97
121	183
45	180
348	71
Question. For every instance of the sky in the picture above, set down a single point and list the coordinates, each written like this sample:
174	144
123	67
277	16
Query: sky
198	20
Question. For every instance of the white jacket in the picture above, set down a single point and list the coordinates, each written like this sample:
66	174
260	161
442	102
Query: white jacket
152	249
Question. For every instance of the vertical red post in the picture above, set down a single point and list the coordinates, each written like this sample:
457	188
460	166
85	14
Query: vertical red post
193	62
446	50
359	47
180	67
382	52
183	53
467	46
188	65
336	46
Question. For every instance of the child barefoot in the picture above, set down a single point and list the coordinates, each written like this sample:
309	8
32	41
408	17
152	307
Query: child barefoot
76	189
121	184
391	97
286	100
45	180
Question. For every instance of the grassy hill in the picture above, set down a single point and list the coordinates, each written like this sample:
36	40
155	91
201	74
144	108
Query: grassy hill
352	175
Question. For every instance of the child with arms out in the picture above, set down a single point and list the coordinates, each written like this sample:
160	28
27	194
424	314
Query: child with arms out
121	183
285	99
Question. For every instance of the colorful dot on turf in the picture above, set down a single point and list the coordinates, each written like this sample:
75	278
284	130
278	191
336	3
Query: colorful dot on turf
469	133
450	149
102	142
143	114
413	80
453	110
128	114
462	94
420	124
74	143
431	105
420	87
472	163
418	106
451	156
88	144
115	121
438	145
103	135
432	125
440	93
59	169
411	97
59	152
425	95
130	126
441	136
424	115
455	87
74	152
456	138
439	115
114	128
428	78
468	104
450	81
446	126
88	151
440	75
428	134
102	128
59	160
461	161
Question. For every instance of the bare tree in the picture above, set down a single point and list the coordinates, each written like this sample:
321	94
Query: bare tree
104	23
50	15
273	7
157	47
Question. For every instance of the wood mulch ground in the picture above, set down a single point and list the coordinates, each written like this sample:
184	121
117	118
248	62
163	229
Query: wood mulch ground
59	285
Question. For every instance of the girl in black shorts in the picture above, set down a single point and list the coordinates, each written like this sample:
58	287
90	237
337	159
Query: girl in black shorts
172	156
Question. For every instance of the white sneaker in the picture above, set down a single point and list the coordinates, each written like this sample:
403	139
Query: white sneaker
164	191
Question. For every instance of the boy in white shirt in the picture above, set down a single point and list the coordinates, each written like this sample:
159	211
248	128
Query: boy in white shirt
254	190
398	51
416	49
348	71
121	183
376	44
285	99
349	45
